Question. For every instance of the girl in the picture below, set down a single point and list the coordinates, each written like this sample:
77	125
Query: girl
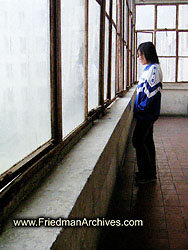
146	111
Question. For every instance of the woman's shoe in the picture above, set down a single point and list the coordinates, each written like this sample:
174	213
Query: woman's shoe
144	180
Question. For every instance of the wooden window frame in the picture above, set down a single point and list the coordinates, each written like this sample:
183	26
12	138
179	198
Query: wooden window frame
14	178
175	29
55	89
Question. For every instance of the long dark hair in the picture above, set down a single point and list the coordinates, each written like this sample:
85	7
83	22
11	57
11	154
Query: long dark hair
149	51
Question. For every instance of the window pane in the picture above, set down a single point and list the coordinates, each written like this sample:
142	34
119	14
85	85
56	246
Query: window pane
130	4
93	58
182	69
140	69
166	17
130	69
25	117
143	37
168	68
72	35
106	57
130	32
183	20
125	22
166	43
113	62
122	18
114	11
183	44
108	6
144	17
125	67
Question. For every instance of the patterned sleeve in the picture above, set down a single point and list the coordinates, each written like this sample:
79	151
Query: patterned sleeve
151	87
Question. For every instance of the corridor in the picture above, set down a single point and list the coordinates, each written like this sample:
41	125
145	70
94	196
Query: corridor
163	206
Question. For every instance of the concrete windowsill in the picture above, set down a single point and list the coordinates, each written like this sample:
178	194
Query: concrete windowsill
175	86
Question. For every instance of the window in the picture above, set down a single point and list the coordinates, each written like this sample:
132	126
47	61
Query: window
93	50
106	56
183	21
142	37
166	17
113	75
126	28
114	9
166	49
145	17
72	38
56	78
183	56
25	115
183	44
169	35
128	44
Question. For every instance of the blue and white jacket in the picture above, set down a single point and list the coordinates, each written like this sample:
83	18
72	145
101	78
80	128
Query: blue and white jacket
148	99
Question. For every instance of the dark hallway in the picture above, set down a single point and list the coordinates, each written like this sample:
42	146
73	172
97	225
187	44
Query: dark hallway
163	206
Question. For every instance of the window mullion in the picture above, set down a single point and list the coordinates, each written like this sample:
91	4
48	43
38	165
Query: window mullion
110	54
56	87
86	58
101	56
177	42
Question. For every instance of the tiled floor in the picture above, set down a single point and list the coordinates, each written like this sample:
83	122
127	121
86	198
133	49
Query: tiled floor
163	206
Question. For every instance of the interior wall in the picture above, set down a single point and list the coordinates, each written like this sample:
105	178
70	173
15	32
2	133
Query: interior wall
174	99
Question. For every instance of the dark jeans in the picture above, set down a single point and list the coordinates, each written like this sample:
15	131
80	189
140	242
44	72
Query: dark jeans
145	148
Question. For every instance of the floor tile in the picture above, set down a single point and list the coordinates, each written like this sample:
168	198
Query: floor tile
163	206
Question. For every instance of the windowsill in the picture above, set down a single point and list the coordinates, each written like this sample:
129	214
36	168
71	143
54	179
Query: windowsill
77	186
176	86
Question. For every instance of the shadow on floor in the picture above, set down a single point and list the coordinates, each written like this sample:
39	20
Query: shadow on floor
162	206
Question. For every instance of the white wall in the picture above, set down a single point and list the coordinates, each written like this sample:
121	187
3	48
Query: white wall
174	99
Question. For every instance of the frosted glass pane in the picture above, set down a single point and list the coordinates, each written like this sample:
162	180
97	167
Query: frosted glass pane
106	58
93	58
130	32
144	17
183	44
125	23
113	62
130	70
114	11
166	43
166	17
25	117
183	20
125	67
72	35
140	69
143	37
182	69
130	4
108	6
168	66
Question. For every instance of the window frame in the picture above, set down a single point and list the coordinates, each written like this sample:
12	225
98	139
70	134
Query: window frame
13	179
176	29
55	87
